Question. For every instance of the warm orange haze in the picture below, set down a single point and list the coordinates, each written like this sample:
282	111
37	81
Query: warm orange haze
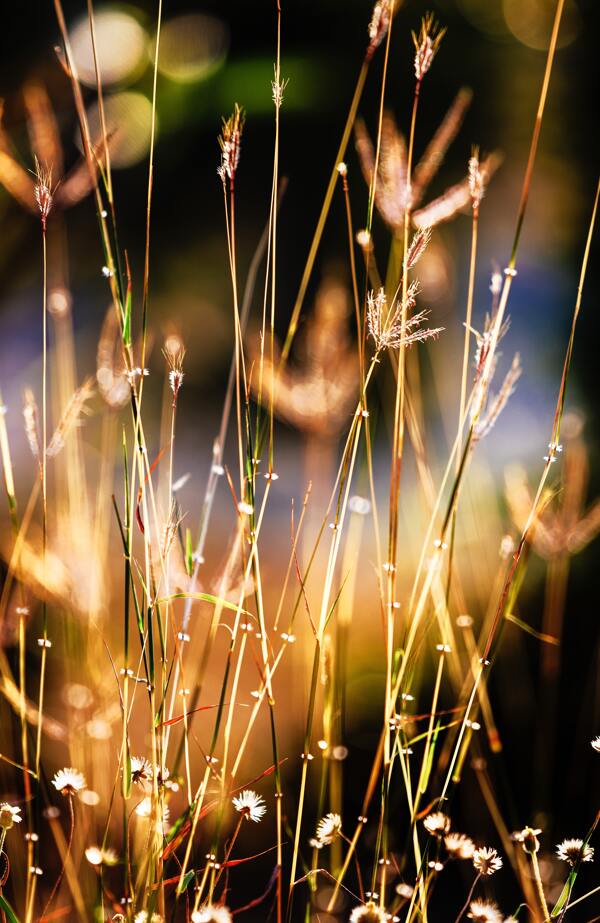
298	450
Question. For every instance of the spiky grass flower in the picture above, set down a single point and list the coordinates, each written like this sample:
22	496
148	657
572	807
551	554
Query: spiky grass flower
368	913
250	805
459	846
230	144
278	89
379	24
69	781
437	823
596	744
141	770
44	196
574	850
174	353
329	828
528	838
212	914
484	912
385	325
9	815
97	855
477	179
486	860
426	44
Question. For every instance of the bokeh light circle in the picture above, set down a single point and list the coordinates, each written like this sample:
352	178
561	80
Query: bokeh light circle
120	45
192	47
128	117
530	21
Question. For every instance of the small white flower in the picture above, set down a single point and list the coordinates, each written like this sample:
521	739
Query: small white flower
251	805
596	744
484	912
368	913
141	770
9	815
211	914
573	851
486	860
69	781
144	809
329	828
144	917
459	846
437	823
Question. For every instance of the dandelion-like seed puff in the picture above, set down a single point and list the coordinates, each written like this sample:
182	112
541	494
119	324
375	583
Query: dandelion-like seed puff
329	828
368	913
250	805
210	913
484	912
487	861
573	850
69	781
459	846
437	824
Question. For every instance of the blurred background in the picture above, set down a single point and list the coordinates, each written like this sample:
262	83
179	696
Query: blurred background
216	54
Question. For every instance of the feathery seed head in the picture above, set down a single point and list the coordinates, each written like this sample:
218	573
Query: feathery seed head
426	44
379	24
230	143
477	179
43	191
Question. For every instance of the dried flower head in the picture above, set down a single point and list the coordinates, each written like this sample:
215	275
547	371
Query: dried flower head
210	913
251	805
69	781
486	860
574	850
459	846
329	828
9	815
379	24
484	912
426	44
96	855
528	838
230	143
368	913
437	823
43	191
